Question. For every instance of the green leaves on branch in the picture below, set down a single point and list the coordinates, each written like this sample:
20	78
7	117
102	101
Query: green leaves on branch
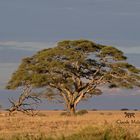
112	52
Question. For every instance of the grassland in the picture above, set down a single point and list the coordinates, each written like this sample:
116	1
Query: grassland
50	125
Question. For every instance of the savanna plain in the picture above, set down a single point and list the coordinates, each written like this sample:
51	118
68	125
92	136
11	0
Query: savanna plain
56	125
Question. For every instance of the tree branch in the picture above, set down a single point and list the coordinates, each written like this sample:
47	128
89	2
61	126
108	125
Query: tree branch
87	89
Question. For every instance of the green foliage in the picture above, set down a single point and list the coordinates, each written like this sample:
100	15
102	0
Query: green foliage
112	52
55	64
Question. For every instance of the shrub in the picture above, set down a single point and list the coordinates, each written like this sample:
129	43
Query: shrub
102	113
94	110
81	112
65	114
135	109
124	109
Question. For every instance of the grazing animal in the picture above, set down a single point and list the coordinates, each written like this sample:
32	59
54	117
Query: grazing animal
129	114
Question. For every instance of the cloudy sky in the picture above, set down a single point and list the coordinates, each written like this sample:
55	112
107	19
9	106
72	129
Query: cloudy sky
27	26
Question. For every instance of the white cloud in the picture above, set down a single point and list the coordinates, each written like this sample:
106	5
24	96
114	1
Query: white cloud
120	92
34	46
135	49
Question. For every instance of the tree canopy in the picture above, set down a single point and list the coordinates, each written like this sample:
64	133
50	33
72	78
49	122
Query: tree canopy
74	70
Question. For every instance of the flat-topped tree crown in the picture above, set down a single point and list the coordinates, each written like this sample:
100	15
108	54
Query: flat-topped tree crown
76	69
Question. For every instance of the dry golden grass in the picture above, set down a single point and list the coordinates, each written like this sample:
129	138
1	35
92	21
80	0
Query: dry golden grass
52	123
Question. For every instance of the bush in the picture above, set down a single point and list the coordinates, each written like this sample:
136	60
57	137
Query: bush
102	113
94	109
65	114
124	109
81	112
135	109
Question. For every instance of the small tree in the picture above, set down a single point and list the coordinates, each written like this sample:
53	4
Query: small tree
76	70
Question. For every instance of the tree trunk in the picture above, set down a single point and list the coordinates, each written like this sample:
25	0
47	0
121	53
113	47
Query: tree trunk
72	109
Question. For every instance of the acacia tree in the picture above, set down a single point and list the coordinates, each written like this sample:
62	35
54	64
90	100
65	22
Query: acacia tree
76	70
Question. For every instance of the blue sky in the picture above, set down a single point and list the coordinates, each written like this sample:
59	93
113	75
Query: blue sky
27	26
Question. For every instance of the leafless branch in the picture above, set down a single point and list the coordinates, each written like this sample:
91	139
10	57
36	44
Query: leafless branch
24	104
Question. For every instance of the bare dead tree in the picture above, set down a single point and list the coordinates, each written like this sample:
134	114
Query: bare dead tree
27	101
